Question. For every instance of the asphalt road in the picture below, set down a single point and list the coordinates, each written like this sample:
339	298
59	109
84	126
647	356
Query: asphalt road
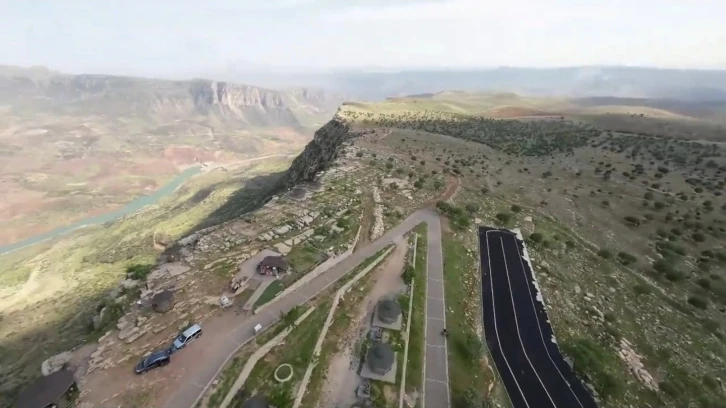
189	390
436	366
518	332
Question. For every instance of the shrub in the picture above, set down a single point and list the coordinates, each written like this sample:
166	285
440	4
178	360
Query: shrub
626	258
472	208
546	174
570	244
605	253
698	301
536	237
642	289
359	154
632	220
698	237
138	271
704	283
648	195
418	184
504	218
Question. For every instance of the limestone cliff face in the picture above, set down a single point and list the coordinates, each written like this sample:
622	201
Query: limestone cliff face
318	155
234	96
155	100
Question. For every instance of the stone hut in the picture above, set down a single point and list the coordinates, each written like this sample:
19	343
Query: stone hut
163	301
48	391
380	358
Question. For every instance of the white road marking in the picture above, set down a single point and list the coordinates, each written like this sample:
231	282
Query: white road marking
496	331
541	335
516	323
438	381
435	345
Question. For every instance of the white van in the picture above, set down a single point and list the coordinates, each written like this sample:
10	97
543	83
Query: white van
187	336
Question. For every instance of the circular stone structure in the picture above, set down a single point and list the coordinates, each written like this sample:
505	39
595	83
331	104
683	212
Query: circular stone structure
388	311
380	358
280	378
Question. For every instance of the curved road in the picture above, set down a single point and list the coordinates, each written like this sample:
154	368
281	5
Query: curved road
192	386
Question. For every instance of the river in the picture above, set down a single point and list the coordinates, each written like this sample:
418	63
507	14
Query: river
129	208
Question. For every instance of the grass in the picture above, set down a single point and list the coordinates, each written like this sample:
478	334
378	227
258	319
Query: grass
296	351
416	348
303	258
270	292
467	370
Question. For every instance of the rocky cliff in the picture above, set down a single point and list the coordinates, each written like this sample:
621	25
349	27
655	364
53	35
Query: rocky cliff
318	155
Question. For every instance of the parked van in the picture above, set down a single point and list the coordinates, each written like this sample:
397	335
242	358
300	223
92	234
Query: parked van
187	336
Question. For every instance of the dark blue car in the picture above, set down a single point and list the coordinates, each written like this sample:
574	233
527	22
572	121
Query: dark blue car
153	360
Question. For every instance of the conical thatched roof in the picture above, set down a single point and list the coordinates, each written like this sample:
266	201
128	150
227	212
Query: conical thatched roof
380	358
388	310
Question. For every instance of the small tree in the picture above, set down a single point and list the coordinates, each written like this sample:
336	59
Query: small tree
515	208
605	253
504	218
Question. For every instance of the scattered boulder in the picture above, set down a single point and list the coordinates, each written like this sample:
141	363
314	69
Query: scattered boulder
190	240
55	363
283	229
129	284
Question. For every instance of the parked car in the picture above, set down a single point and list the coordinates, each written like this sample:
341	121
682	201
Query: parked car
153	360
187	336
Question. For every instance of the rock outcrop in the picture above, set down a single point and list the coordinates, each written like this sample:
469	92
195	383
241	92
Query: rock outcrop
318	155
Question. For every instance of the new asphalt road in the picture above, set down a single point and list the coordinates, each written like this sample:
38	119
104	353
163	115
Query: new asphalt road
202	371
517	330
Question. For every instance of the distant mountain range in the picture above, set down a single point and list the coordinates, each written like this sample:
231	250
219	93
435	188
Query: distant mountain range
631	82
34	90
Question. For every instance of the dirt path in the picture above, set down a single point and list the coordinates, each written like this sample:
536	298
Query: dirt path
452	186
342	378
365	237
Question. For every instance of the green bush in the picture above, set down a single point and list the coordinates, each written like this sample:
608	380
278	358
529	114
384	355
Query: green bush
698	301
642	289
605	253
504	218
626	258
536	237
515	208
138	271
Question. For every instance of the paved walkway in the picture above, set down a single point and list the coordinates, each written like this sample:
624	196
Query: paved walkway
190	389
436	365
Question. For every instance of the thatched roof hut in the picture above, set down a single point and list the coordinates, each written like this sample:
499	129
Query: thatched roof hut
380	358
388	310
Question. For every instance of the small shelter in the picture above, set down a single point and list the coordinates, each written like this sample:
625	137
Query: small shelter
48	391
258	401
388	310
272	265
380	358
163	301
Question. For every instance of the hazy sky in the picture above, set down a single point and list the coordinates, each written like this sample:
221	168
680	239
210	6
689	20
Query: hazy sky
189	37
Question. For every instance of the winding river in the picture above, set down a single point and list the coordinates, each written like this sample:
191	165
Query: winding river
129	208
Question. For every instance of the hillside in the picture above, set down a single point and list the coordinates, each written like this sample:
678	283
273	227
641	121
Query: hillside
74	145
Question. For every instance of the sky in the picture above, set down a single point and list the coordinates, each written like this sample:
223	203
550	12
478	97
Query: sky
182	38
